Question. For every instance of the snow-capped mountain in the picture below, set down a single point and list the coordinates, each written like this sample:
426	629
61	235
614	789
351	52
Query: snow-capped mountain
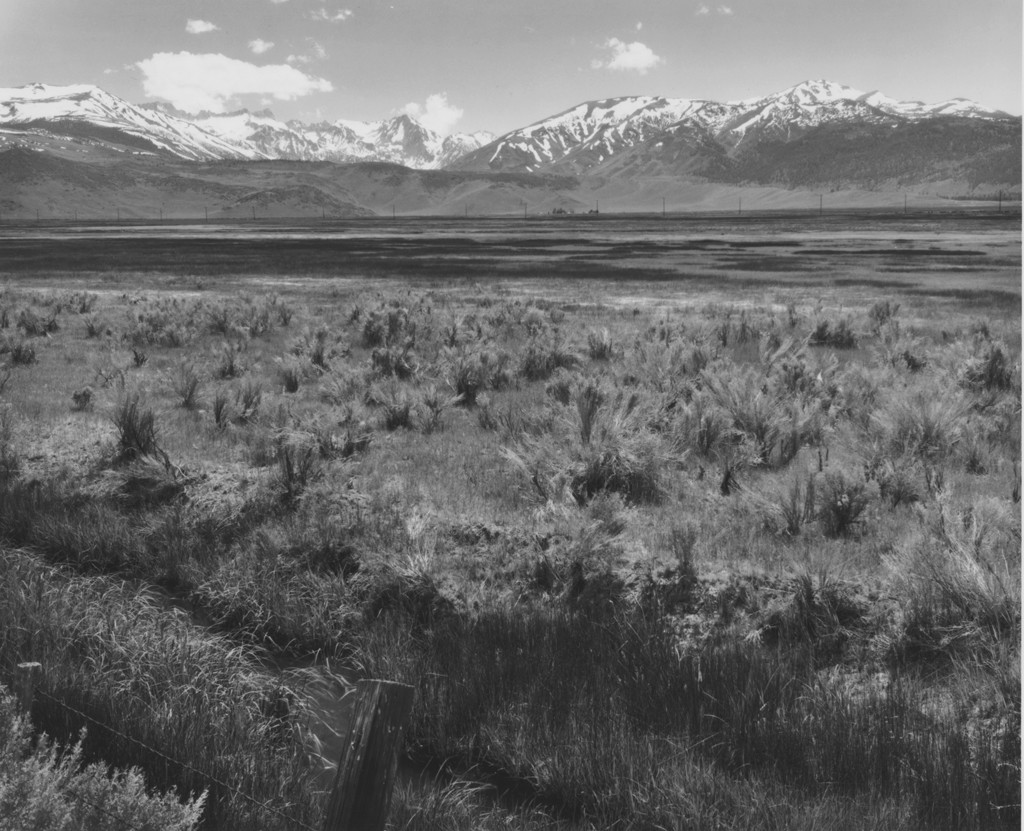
86	111
817	133
589	135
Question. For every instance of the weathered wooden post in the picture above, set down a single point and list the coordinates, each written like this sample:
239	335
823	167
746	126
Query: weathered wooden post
25	681
366	772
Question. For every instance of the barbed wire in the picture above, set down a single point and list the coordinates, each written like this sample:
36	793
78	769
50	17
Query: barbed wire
266	806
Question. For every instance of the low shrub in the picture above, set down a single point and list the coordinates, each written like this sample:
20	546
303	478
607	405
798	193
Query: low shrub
540	359
838	335
842	504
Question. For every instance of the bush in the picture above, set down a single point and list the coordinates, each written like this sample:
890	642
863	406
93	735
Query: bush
81	399
991	370
22	353
540	359
837	335
841	506
49	788
928	426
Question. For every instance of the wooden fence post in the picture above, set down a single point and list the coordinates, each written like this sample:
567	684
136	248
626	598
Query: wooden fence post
362	788
26	678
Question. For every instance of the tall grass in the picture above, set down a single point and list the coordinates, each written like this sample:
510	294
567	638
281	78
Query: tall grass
114	655
599	720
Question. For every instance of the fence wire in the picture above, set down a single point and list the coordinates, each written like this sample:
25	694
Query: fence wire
265	806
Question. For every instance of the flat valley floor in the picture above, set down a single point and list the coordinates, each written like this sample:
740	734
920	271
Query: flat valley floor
671	521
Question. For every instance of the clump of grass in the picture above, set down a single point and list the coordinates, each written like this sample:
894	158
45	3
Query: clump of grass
991	370
921	424
388	326
186	384
35	326
837	334
434	404
221	409
882	314
540	358
290	376
81	399
298	464
614	452
600	346
842	504
22	352
396	405
396	360
248	398
319	346
230	364
136	428
94	326
958	575
9	459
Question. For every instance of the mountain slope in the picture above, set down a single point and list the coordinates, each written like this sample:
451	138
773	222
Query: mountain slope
745	141
88	112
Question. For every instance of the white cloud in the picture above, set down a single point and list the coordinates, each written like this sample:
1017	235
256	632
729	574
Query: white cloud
639	25
303	59
278	2
628	57
702	11
436	114
318	49
209	81
727	10
330	17
200	27
259	46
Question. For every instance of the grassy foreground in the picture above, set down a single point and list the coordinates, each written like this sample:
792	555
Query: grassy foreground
663	564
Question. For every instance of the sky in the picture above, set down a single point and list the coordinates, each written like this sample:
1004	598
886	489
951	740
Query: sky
464	65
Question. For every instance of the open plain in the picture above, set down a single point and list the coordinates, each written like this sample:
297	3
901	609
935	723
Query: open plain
673	522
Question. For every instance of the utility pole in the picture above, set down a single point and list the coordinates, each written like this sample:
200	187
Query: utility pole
821	204
663	207
739	211
904	204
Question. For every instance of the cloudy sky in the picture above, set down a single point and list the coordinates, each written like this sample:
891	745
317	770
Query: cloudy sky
501	64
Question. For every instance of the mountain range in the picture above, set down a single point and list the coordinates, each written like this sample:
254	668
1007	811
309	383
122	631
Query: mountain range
815	135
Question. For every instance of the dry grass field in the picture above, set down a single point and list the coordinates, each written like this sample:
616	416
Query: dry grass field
672	523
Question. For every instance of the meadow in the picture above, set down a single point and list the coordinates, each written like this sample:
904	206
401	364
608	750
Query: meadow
672	523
